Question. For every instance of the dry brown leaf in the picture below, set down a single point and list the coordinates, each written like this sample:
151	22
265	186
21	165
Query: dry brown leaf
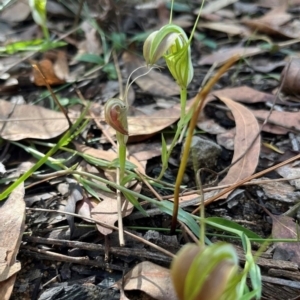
84	207
145	151
210	125
284	227
245	94
228	28
214	6
16	12
107	155
265	66
54	67
30	121
222	56
275	23
107	211
6	287
290	171
226	139
92	43
276	3
152	279
247	129
154	83
291	77
286	120
11	231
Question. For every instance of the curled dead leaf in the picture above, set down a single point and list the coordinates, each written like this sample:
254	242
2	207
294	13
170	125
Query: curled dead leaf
54	69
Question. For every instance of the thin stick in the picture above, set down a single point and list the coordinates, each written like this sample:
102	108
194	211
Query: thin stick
105	225
234	186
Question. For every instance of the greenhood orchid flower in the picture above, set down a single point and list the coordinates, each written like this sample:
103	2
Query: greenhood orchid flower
116	115
171	43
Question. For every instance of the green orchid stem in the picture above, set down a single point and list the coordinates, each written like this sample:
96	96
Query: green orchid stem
180	125
46	33
196	108
171	12
121	138
122	153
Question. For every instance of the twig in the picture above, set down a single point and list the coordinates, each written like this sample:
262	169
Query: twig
45	254
105	225
234	186
141	253
257	182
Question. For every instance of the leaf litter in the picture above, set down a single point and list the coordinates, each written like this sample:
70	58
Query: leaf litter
248	106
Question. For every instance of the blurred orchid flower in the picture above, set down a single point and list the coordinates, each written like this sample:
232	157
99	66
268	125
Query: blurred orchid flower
171	43
206	272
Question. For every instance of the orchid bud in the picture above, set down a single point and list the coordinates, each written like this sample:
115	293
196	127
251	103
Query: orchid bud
38	9
172	43
201	273
116	115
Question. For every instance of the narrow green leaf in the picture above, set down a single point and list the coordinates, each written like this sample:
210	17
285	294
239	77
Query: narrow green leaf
88	188
183	216
134	202
232	225
128	178
164	151
90	58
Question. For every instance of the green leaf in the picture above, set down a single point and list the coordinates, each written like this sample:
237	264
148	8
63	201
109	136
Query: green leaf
116	164
88	187
93	160
183	216
179	7
32	45
232	225
128	178
134	202
248	296
164	151
90	58
118	40
97	185
110	70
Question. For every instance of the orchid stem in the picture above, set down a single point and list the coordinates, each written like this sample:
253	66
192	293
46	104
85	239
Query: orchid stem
180	125
121	138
